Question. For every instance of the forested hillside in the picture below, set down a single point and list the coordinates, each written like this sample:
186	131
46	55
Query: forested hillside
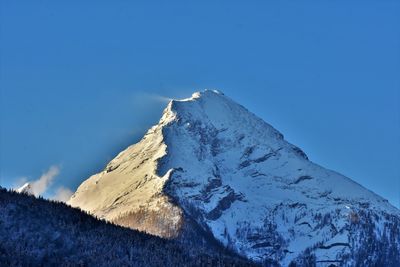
38	232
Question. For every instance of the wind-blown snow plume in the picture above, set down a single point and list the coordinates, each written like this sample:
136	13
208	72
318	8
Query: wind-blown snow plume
62	194
42	184
149	99
159	98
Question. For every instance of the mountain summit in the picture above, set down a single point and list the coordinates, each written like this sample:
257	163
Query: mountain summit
211	167
26	189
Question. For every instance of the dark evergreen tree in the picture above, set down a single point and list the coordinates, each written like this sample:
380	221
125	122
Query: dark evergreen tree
38	232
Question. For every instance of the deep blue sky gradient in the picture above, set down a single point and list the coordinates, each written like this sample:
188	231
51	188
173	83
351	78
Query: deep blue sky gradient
80	81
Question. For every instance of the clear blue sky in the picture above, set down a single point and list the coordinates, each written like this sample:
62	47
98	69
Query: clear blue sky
79	82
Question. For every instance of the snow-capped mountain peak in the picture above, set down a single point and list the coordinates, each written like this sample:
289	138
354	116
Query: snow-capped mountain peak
26	188
211	161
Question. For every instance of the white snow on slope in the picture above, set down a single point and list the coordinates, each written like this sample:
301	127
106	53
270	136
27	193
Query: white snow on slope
26	188
237	176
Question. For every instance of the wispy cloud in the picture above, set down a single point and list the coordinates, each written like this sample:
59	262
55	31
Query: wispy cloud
159	98
143	97
62	194
41	186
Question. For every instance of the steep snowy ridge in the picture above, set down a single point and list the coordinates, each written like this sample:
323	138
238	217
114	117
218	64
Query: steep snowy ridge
211	160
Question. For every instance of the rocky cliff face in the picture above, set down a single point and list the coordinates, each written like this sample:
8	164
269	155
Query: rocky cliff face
212	162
